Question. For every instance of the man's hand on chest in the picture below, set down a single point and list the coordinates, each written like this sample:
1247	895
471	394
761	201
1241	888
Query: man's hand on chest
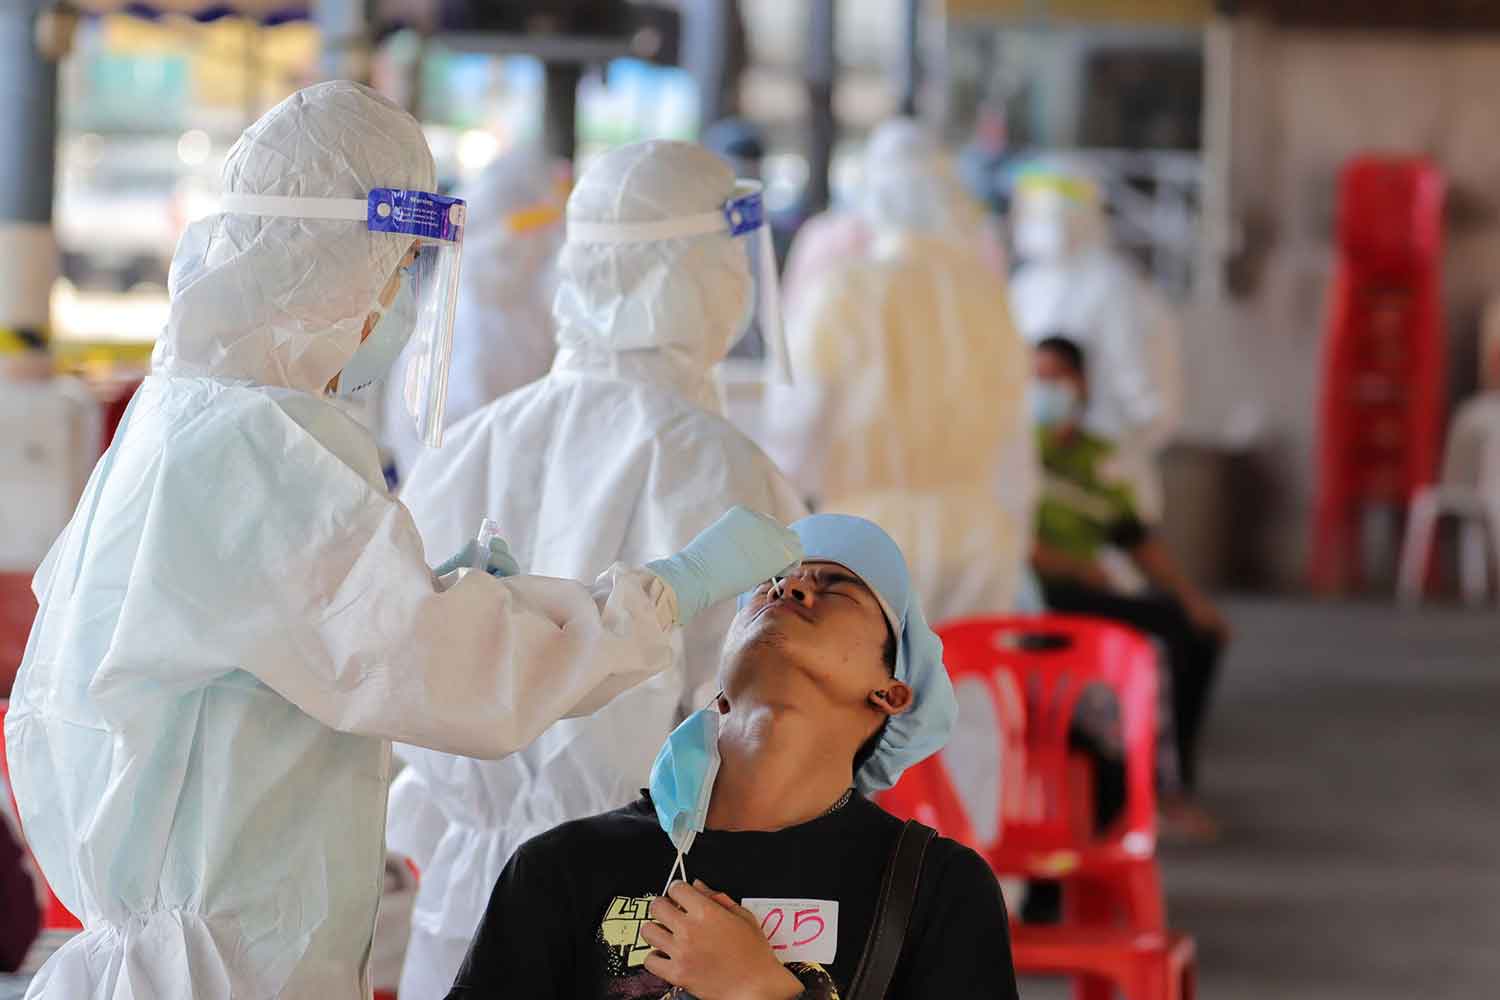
707	944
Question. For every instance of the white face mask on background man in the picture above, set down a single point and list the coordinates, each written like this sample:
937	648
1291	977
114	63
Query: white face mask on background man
1053	402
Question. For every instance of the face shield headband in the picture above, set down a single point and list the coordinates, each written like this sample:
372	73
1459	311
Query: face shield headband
434	225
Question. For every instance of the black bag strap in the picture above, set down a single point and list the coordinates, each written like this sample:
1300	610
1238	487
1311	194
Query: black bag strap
898	896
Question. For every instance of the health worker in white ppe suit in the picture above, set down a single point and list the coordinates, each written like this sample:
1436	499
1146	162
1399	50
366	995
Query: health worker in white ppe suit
643	315
1073	283
909	408
239	618
502	328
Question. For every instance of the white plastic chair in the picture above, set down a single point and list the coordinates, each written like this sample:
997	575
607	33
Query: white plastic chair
1469	491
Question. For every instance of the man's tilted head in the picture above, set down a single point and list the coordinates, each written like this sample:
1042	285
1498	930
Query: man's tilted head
842	642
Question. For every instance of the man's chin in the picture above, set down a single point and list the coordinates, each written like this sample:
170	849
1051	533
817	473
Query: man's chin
765	633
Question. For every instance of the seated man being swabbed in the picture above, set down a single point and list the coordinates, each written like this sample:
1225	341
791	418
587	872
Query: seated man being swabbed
774	858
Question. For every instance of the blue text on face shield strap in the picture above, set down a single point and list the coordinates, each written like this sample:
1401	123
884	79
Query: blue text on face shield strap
416	213
745	214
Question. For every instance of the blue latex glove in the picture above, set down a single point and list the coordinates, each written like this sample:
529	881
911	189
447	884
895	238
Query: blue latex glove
738	552
499	561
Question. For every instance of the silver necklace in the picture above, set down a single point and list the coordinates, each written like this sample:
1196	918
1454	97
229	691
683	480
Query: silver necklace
841	803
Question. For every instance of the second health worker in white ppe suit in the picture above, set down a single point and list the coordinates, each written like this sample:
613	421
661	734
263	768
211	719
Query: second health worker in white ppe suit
620	452
239	618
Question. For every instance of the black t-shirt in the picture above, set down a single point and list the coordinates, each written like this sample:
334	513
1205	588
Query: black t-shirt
563	921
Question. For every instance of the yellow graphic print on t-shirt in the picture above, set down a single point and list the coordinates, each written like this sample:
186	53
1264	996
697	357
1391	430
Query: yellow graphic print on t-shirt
620	933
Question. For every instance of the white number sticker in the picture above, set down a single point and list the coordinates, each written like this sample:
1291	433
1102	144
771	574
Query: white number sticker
800	930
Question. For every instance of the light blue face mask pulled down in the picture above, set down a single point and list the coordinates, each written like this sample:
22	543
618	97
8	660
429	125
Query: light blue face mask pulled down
1052	402
682	782
373	361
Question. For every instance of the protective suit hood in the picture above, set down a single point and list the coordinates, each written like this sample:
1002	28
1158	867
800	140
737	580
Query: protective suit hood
911	184
685	300
280	301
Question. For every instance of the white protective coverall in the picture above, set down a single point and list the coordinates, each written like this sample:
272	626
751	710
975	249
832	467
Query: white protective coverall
911	377
640	327
824	243
238	617
1074	284
502	332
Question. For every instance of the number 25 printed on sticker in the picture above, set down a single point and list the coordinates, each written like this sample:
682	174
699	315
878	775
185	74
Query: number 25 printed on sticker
800	930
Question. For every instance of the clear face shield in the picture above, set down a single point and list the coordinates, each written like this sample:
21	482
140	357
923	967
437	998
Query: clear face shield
742	217
1051	215
416	306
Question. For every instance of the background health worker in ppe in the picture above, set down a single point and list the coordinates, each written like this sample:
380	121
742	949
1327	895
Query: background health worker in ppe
239	618
911	377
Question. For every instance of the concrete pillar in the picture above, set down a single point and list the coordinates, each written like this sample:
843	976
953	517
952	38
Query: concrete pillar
560	112
714	51
822	69
28	120
911	56
1216	218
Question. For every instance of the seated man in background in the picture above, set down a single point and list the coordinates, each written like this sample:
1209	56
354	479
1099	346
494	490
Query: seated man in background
833	684
1083	509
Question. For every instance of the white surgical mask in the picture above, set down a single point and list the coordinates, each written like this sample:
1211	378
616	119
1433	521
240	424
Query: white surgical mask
1053	402
374	359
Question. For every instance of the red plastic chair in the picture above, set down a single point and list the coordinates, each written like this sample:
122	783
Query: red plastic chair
56	917
1380	417
1116	917
1051	661
17	611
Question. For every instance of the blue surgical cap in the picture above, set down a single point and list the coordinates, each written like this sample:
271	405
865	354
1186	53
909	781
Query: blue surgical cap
923	729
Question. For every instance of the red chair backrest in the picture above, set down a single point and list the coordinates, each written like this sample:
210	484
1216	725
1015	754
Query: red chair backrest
1390	213
1048	662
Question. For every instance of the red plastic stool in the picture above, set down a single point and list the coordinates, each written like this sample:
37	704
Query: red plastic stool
1380	417
56	916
